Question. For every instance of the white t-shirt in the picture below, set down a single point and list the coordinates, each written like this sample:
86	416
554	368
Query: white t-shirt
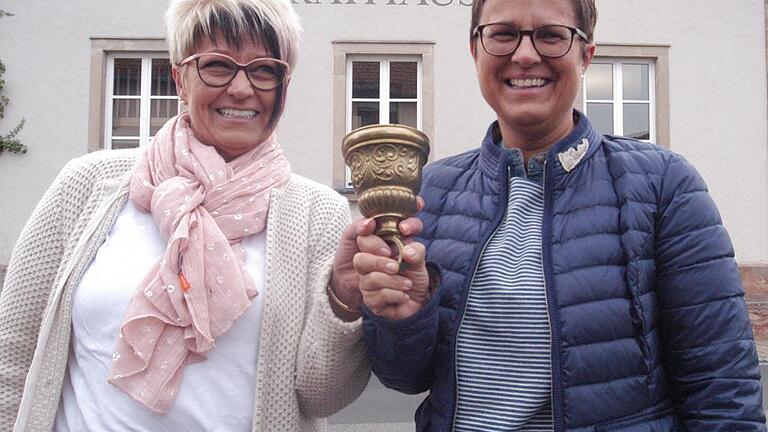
215	395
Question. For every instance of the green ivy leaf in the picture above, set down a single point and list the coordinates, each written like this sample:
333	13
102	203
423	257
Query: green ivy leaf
10	142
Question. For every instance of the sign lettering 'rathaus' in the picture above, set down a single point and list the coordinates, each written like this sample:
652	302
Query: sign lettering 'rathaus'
388	2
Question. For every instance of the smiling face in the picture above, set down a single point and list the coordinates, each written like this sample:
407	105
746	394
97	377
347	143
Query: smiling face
531	95
234	118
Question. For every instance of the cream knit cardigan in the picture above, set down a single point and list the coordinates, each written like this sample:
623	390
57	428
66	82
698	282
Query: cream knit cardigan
310	363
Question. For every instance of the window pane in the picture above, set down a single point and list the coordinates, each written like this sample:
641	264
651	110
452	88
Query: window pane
402	80
125	117
124	144
127	77
635	81
161	110
365	79
636	121
600	81
364	114
162	81
402	113
601	116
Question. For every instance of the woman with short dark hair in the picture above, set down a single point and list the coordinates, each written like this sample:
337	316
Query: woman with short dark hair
576	281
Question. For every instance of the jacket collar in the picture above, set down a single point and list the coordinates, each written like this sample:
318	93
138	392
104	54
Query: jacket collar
564	156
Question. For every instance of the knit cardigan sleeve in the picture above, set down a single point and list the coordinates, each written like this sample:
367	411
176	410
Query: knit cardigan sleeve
32	272
709	353
332	368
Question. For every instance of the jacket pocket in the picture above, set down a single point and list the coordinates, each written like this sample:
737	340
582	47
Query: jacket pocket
661	421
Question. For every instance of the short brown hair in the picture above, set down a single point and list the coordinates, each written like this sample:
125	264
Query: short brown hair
586	16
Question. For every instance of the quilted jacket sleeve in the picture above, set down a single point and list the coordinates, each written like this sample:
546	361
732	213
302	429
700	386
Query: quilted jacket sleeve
31	274
709	352
401	350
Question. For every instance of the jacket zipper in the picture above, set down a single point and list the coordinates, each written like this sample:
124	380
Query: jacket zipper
546	296
550	298
466	300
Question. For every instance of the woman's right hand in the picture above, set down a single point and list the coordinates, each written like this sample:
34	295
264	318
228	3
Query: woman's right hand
386	292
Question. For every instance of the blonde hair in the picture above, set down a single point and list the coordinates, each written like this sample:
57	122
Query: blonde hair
272	23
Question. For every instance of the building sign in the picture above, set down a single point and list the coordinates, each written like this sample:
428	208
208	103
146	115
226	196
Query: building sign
387	2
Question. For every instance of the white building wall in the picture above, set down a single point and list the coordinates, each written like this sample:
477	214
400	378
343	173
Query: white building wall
47	50
717	99
716	65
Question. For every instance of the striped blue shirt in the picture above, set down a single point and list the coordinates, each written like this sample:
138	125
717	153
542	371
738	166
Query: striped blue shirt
503	347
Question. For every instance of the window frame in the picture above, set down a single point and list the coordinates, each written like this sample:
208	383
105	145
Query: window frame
343	51
145	95
384	89
100	48
617	98
658	55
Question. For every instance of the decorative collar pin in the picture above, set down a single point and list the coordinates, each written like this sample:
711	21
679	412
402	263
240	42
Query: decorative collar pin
571	157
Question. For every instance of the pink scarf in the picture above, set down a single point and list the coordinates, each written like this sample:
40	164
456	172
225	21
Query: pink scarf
204	207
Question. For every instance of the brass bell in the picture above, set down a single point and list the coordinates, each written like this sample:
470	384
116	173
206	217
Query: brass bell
386	163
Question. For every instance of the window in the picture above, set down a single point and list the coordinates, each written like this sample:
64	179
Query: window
380	83
383	90
626	92
619	97
132	92
141	97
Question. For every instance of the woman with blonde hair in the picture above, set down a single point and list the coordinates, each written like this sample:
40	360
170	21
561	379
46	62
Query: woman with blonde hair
185	286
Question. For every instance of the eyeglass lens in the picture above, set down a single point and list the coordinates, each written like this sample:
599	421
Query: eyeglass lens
549	41
218	71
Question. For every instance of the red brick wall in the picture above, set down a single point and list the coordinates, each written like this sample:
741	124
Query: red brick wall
755	280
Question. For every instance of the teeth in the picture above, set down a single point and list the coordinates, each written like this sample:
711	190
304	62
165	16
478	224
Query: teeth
227	112
528	82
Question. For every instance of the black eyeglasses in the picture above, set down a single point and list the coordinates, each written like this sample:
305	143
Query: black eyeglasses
551	41
218	70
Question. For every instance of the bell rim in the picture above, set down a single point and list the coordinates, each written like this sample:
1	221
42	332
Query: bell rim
392	133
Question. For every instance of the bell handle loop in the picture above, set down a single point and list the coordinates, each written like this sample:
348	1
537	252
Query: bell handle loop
397	242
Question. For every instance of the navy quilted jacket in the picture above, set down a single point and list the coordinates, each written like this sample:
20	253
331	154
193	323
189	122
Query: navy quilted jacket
650	331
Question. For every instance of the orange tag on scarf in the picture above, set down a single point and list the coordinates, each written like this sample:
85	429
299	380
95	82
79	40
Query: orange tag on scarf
184	283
